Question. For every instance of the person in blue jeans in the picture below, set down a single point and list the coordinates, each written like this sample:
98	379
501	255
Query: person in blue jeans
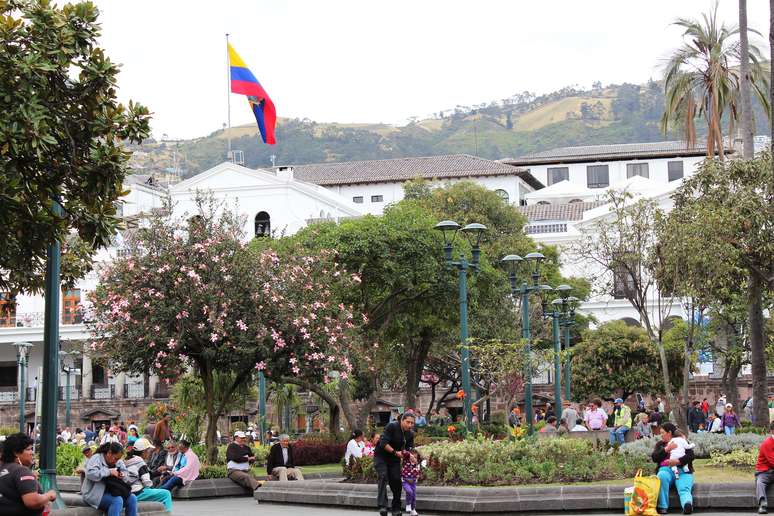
106	462
682	483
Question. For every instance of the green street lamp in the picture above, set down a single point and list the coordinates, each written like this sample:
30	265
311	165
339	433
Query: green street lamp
567	323
556	314
532	262
22	356
473	232
262	406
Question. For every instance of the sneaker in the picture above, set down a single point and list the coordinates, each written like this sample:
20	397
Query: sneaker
688	509
661	510
382	511
763	508
414	512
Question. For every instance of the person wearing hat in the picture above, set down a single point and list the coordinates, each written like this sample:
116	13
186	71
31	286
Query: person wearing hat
730	421
622	422
111	436
240	457
80	470
139	478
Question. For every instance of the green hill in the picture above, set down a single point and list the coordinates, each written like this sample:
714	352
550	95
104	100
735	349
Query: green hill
522	124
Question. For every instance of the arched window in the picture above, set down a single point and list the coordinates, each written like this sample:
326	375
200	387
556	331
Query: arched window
503	195
543	203
262	225
630	322
573	201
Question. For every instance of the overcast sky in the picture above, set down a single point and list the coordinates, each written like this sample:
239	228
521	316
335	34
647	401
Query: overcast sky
382	61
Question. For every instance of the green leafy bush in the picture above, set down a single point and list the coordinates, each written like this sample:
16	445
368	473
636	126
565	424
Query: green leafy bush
360	470
737	459
707	445
68	456
8	430
480	461
213	472
261	452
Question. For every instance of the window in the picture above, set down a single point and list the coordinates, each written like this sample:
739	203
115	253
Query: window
597	176
503	195
675	170
70	301
377	198
637	169
262	225
358	199
7	309
556	174
543	203
623	282
575	201
9	374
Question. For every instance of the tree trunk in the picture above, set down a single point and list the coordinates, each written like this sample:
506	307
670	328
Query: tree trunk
333	406
757	350
346	404
212	417
687	350
415	365
771	87
432	394
744	71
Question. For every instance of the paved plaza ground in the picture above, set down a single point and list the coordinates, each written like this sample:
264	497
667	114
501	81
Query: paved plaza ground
245	506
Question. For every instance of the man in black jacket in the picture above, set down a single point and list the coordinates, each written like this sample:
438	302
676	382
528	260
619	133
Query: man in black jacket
396	439
695	417
280	462
240	457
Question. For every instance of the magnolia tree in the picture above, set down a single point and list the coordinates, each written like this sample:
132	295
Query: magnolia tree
190	295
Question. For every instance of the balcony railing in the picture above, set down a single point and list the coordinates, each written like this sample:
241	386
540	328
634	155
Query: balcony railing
75	393
36	320
536	229
12	394
134	391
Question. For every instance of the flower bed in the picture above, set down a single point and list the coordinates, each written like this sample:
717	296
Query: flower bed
486	462
707	445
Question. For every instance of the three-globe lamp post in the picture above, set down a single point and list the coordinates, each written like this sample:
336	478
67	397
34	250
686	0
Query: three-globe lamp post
562	315
533	262
22	356
473	232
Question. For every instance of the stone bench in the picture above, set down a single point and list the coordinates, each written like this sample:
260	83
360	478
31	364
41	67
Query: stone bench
77	507
500	500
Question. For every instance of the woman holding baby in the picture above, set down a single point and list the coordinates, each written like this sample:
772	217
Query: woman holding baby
674	456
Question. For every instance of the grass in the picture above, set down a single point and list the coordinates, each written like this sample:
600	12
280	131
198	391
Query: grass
556	111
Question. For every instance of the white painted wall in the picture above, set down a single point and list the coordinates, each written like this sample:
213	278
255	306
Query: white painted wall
392	192
657	169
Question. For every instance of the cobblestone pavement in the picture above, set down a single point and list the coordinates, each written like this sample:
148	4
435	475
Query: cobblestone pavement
247	506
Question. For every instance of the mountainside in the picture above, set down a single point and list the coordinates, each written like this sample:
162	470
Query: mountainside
515	126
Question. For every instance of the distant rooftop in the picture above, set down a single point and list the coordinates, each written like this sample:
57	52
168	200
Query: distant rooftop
611	152
403	169
558	212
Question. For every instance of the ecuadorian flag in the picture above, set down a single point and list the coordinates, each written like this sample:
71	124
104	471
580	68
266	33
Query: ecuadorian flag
244	82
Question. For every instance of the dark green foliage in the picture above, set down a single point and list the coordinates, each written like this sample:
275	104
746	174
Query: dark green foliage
61	133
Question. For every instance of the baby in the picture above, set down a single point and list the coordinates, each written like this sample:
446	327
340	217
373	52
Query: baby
676	448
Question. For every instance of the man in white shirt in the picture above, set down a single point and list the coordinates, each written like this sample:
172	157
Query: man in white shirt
579	426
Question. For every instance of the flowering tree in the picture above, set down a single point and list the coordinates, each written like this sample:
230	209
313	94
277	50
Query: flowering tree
190	295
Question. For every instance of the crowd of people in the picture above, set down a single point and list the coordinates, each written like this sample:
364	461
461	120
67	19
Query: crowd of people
122	466
618	419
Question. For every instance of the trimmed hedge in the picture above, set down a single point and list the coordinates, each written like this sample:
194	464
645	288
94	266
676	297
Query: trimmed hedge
707	445
485	462
310	453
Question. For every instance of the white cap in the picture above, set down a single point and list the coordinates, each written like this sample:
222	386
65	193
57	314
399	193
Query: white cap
142	444
239	433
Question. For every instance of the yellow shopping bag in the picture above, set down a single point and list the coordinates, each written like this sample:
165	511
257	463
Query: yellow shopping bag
644	496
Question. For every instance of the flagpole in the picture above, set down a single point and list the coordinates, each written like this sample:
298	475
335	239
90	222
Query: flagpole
228	98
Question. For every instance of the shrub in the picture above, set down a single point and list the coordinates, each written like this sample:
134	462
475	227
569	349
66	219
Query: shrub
306	453
8	430
261	452
480	461
68	456
360	470
707	445
737	459
209	471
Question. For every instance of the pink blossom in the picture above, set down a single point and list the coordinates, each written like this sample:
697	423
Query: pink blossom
214	337
260	366
241	325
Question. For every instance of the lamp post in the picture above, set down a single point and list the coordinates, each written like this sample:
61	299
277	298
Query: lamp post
262	405
22	354
67	368
568	322
473	232
533	262
558	315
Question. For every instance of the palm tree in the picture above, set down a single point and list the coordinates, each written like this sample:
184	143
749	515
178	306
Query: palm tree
702	80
